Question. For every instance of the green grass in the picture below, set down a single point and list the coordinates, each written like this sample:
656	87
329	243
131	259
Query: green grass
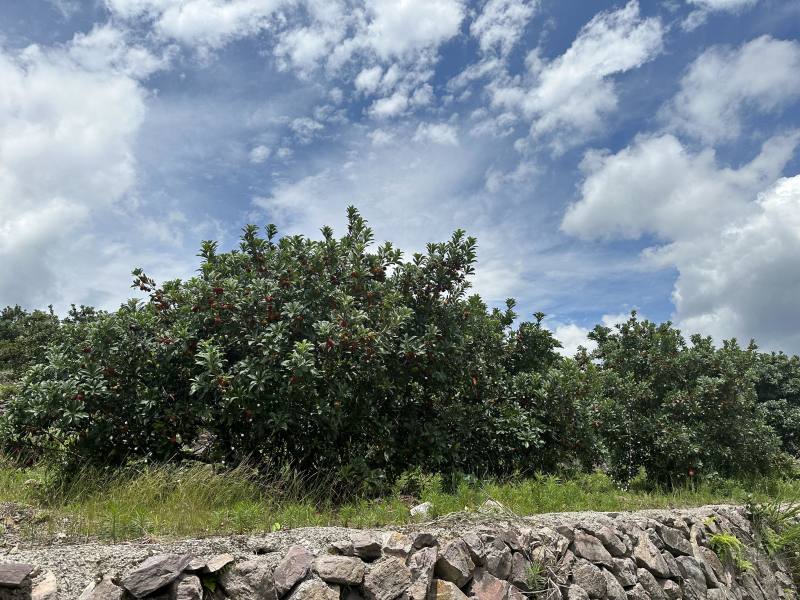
169	501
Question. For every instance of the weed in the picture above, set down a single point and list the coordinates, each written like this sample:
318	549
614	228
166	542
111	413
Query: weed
535	577
729	547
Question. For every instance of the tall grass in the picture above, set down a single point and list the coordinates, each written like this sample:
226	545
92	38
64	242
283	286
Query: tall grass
194	500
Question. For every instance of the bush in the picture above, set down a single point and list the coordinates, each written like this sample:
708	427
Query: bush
322	354
24	337
679	411
777	382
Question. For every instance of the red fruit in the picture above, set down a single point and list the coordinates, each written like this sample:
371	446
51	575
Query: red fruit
353	273
343	324
80	396
291	380
87	349
246	293
195	308
299	318
82	435
92	411
211	301
260	259
217	321
329	342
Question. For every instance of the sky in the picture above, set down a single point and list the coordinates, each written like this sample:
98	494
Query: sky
608	156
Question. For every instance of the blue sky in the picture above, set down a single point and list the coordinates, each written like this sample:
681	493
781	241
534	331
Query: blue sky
607	156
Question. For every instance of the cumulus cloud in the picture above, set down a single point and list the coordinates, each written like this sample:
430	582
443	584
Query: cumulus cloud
438	133
761	76
570	94
68	120
571	337
259	154
501	24
713	224
705	7
305	129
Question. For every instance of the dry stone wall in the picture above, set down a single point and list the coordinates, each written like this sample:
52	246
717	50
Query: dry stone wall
647	555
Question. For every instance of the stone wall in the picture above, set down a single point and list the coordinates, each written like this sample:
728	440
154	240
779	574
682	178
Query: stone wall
655	555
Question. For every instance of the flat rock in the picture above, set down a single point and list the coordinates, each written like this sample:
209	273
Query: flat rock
314	589
388	580
217	563
186	587
589	577
650	585
647	556
105	590
589	547
366	546
675	541
422	565
12	574
46	589
397	544
249	580
343	547
340	569
485	586
293	568
614	591
454	563
445	590
155	573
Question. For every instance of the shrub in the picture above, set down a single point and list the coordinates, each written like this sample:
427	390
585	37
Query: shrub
679	411
777	383
323	354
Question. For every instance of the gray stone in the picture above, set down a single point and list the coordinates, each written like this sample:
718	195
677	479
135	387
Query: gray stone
293	568
515	594
217	563
716	594
13	574
498	557
397	544
697	534
46	589
690	591
650	585
558	542
624	569
353	594
614	591
314	589
567	531
612	542
366	547
674	571
576	592
709	564
445	590
422	564
648	557
421	510
388	580
589	577
589	547
186	587
510	538
454	563
342	547
682	527
155	573
485	586
671	589
346	570
655	538
105	590
423	540
249	580
519	571
637	592
675	542
691	572
475	547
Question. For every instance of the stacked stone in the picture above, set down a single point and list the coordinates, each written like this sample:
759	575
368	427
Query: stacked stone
636	557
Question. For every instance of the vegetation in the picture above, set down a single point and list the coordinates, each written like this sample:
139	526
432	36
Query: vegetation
335	358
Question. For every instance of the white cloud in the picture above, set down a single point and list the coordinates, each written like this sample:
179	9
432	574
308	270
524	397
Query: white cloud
305	129
735	255
705	7
380	137
502	23
571	337
393	106
259	154
67	127
571	94
441	133
367	80
723	84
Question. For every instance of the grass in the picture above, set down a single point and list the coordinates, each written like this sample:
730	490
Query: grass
195	500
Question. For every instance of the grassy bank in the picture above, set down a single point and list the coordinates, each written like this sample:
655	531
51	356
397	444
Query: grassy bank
177	501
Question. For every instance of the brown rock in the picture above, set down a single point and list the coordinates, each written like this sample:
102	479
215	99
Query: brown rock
46	589
340	569
423	540
475	547
454	563
387	580
422	564
217	563
498	557
592	549
12	574
519	571
293	568
186	587
105	590
155	573
249	580
510	538
648	557
485	586
516	594
343	547
397	544
445	590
